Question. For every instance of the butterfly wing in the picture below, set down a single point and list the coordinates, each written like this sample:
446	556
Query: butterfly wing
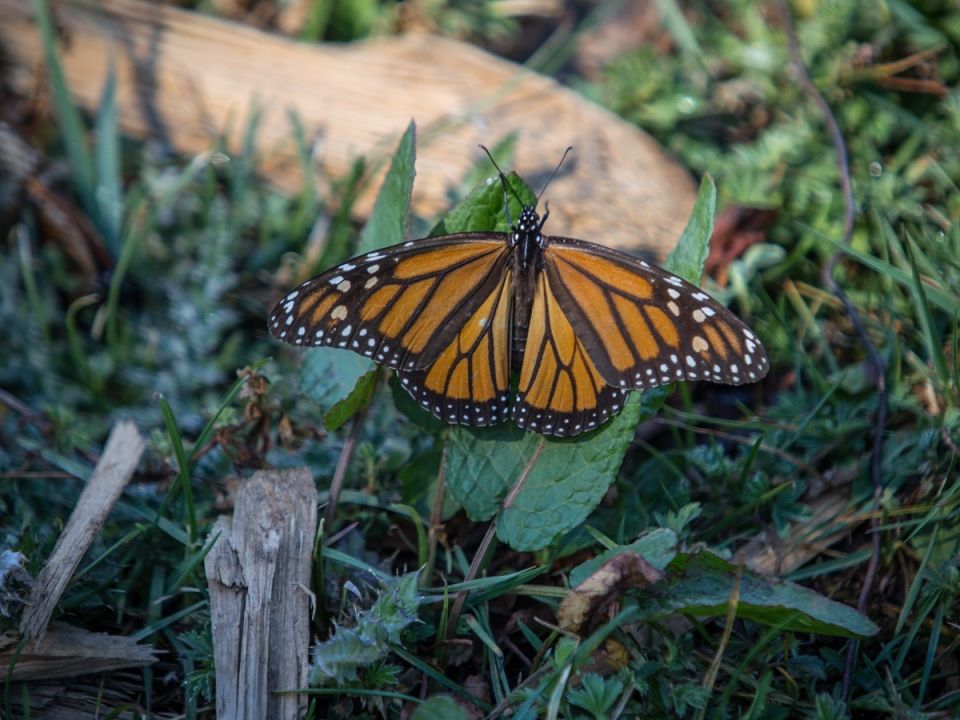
561	391
403	305
643	326
468	382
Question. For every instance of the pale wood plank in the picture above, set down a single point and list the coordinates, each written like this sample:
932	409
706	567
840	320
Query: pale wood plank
184	77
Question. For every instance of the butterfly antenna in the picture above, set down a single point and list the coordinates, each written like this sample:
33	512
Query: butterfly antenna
554	173
503	180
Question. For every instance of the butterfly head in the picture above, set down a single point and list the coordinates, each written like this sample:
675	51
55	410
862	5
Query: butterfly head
529	221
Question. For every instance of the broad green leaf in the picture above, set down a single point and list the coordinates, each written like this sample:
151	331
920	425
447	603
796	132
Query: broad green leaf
440	707
690	254
482	169
353	402
658	547
329	375
564	486
702	583
388	221
482	209
412	409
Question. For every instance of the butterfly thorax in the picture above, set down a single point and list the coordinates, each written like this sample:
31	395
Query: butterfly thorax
527	242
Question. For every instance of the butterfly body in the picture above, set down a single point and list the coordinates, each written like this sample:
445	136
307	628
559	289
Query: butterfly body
579	324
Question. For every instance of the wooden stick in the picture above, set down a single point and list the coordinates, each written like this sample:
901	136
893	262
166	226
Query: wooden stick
183	78
110	477
67	651
258	572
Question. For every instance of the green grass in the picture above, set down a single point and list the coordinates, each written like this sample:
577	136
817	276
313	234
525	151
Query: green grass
198	250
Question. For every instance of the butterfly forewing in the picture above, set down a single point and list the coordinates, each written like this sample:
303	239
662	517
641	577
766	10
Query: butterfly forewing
401	306
643	326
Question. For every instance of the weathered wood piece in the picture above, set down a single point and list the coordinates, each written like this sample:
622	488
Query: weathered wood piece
183	78
110	477
258	572
67	651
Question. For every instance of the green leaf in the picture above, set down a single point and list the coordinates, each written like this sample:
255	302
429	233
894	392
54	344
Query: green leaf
658	547
596	694
690	254
440	707
702	583
68	117
329	375
357	399
388	221
564	486
109	191
482	209
412	409
340	657
482	170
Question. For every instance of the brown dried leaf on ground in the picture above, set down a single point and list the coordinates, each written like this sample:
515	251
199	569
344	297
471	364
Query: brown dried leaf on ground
584	604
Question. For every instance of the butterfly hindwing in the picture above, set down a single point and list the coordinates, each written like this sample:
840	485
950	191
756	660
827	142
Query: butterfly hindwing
400	306
468	382
560	392
643	326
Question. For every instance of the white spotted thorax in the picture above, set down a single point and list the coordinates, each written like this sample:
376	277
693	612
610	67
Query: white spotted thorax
575	324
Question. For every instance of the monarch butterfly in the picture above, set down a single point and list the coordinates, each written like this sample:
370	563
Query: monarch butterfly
585	324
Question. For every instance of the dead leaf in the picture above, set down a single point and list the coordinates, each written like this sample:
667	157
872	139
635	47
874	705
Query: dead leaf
606	586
